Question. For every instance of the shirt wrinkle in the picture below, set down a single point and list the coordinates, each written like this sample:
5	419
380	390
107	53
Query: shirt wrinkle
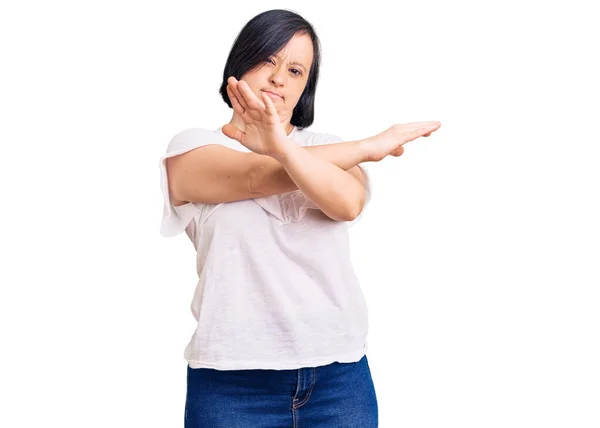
276	287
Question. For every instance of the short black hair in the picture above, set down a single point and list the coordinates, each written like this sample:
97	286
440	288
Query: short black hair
265	35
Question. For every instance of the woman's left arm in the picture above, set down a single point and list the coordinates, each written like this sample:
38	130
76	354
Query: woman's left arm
338	193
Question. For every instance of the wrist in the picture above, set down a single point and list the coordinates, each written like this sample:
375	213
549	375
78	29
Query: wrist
288	148
365	150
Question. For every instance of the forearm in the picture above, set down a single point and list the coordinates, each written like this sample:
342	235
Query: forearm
269	177
326	184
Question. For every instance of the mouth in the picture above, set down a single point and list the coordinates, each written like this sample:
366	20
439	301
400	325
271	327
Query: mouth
274	95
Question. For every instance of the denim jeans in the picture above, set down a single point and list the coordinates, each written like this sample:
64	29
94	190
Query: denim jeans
340	395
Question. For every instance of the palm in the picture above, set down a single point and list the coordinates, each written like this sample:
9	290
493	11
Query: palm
259	124
264	133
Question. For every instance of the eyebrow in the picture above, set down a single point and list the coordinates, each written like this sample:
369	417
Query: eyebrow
293	62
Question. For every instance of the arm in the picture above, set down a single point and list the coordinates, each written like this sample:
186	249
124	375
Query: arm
215	174
269	177
337	192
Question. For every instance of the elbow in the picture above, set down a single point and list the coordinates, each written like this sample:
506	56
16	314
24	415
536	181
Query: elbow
355	209
343	213
359	203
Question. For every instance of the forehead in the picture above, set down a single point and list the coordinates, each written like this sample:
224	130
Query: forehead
299	50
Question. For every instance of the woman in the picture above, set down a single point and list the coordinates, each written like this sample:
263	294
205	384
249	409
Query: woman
282	322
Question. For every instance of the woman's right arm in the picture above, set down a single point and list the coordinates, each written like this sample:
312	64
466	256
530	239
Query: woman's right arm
213	173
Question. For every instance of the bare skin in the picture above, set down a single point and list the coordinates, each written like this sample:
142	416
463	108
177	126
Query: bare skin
261	122
285	73
264	133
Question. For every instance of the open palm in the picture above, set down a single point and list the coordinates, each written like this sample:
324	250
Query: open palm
264	134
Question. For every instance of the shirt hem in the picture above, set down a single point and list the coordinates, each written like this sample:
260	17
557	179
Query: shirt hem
350	357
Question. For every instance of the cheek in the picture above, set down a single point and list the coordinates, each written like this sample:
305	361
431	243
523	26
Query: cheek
299	92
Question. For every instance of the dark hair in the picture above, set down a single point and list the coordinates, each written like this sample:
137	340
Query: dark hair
265	35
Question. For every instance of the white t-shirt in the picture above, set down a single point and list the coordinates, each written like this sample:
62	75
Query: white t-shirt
276	287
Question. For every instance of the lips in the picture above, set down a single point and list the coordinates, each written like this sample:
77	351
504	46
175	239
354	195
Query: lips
274	93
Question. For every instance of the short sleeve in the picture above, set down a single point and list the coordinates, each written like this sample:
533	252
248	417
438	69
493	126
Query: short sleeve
177	218
332	139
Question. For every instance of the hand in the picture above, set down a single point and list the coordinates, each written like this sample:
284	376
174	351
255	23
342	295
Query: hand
390	141
264	134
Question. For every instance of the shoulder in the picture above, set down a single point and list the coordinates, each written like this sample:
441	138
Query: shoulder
331	138
192	137
312	138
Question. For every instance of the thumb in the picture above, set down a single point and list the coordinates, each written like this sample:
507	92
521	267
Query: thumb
234	132
398	152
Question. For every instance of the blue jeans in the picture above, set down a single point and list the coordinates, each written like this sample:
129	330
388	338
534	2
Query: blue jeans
340	395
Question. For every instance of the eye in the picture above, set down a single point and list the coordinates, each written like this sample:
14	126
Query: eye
295	71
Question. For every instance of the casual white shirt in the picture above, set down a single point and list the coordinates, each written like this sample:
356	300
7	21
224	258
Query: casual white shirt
276	287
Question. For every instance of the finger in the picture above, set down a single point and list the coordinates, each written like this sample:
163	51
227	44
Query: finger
429	127
413	134
427	122
238	94
432	126
269	106
235	103
236	90
251	99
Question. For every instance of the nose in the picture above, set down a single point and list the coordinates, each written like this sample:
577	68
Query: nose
278	76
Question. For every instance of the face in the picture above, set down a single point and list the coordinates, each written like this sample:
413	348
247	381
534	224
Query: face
284	73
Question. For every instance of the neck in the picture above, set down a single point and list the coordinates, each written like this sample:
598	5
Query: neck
239	123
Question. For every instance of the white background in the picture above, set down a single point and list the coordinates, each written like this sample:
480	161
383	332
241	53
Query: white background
478	255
